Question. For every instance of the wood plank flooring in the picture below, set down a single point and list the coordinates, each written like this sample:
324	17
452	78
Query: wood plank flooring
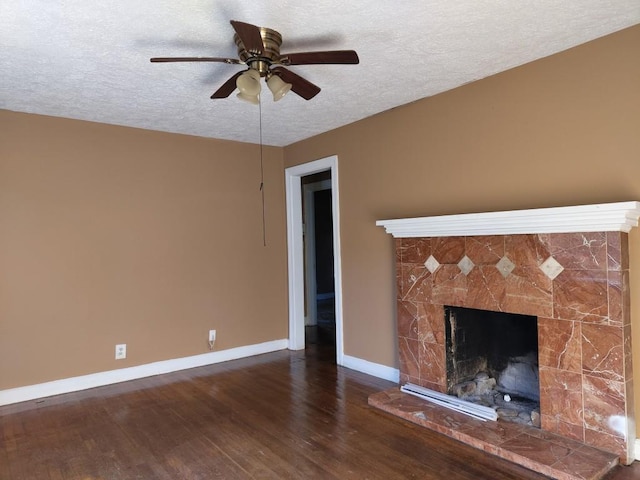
284	415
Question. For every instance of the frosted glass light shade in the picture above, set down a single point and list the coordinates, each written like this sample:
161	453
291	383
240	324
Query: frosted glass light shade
249	83
255	99
278	87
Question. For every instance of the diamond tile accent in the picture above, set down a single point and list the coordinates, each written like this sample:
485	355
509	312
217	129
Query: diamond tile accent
505	266
466	265
551	268
432	264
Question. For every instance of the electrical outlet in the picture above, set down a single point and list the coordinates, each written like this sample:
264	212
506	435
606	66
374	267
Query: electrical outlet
212	339
121	351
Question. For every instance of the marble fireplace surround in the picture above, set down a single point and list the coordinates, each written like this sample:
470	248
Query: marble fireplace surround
569	266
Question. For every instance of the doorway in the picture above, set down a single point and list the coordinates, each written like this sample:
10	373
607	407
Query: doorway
318	260
296	251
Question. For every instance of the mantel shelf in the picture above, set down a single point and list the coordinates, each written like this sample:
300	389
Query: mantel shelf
604	217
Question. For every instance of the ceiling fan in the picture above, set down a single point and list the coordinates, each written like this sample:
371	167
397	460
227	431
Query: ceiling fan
259	49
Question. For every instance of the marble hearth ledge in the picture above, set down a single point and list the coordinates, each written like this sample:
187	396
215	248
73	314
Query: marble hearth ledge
603	217
543	452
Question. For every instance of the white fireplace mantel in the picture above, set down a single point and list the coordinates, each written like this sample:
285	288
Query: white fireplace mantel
603	217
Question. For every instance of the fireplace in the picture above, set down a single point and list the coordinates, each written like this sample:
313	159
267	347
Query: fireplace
546	263
492	360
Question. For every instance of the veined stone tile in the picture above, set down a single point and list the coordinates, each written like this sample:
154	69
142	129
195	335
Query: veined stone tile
418	286
432	364
449	286
409	354
603	351
485	289
431	327
618	291
529	292
527	250
415	250
560	344
408	276
581	295
580	251
591	463
569	430
485	250
407	320
604	406
561	395
448	249
605	441
536	450
617	251
628	356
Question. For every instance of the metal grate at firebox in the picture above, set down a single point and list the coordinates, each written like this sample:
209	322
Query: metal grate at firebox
472	409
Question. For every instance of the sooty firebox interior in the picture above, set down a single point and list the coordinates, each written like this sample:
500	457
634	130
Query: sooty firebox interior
502	347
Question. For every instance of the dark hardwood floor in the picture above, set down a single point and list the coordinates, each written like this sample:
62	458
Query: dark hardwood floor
281	415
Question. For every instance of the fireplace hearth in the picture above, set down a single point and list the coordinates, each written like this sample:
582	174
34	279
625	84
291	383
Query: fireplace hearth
547	264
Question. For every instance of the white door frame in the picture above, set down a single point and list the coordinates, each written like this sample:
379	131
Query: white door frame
295	251
309	234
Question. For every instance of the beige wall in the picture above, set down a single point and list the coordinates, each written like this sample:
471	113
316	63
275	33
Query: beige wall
117	235
564	130
111	235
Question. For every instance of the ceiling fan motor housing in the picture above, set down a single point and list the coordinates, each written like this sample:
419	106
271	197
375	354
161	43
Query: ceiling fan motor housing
261	61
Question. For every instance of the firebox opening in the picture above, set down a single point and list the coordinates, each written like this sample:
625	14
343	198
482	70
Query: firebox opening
492	360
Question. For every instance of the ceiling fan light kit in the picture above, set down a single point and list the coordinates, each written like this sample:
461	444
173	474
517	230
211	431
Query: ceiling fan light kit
259	49
279	88
254	99
249	85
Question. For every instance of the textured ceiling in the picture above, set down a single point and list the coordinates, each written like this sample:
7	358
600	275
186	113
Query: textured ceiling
89	60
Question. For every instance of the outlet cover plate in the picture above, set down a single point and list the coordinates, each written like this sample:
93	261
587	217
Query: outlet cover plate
121	351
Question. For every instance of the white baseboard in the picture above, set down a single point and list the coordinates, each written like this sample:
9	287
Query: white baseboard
84	382
370	368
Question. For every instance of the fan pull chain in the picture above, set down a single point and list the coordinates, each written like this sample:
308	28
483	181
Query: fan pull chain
264	222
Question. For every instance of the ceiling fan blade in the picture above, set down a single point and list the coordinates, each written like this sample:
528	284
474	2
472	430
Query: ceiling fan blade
227	87
250	37
195	59
299	85
316	58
